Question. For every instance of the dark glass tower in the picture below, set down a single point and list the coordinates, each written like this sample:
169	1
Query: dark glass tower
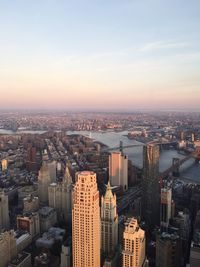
151	186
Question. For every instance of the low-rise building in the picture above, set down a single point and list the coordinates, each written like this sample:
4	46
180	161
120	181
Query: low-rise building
23	259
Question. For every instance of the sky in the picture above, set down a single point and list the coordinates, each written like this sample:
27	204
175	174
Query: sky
100	54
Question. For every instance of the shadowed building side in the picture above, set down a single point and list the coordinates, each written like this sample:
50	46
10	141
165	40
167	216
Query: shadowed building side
151	186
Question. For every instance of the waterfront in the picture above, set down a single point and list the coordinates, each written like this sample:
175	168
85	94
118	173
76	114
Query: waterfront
24	131
189	170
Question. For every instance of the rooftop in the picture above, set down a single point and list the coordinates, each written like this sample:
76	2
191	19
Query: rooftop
20	258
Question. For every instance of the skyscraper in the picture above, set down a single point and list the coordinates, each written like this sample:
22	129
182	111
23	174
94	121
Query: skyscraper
86	221
151	186
133	245
60	196
52	170
31	159
4	165
118	170
4	212
168	250
8	247
109	222
44	181
165	207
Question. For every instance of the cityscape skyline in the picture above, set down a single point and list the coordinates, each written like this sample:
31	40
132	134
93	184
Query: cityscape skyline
102	55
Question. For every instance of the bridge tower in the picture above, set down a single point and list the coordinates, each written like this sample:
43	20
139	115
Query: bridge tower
121	147
176	166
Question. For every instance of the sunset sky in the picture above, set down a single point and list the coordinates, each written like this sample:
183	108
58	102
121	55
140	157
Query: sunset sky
100	54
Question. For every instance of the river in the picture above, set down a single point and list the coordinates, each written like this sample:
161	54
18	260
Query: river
190	171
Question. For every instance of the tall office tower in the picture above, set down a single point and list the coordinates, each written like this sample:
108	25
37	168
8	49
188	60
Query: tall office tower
44	181
182	135
183	222
168	250
8	247
134	245
4	212
165	207
4	165
31	159
109	223
151	186
60	196
86	221
118	170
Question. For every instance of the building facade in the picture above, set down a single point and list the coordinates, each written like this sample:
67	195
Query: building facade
168	250
60	196
86	221
8	247
44	180
4	211
165	207
151	186
109	223
48	218
118	170
133	245
29	222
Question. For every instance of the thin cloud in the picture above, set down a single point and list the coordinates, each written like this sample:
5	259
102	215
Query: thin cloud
162	45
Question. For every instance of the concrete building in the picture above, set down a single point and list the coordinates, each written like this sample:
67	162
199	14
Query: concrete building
183	224
4	211
31	159
113	261
195	255
195	244
26	191
66	256
109	223
134	245
23	240
86	221
4	165
52	170
118	170
48	218
46	260
165	207
44	180
55	235
31	203
8	247
168	250
60	196
29	222
23	259
151	186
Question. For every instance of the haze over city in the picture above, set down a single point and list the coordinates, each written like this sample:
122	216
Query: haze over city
104	55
